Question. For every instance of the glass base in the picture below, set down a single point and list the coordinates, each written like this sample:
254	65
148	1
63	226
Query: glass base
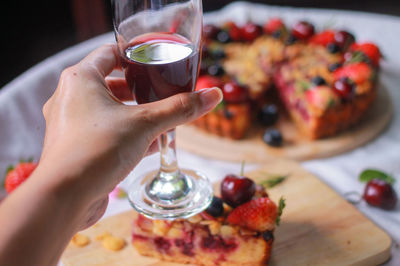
193	196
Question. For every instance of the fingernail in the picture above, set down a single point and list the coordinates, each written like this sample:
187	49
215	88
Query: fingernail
210	97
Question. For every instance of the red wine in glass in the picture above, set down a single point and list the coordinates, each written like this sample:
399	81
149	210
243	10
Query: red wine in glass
159	65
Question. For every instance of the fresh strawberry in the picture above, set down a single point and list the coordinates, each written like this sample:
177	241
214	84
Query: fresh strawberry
323	38
258	215
369	49
321	97
234	31
273	25
18	175
357	72
206	81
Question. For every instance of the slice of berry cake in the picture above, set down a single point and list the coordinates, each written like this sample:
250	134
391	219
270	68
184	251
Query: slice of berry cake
240	233
327	83
325	80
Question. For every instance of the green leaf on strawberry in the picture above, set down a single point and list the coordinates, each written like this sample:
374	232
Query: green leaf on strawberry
281	206
9	169
369	174
219	106
29	160
331	103
357	57
303	85
273	181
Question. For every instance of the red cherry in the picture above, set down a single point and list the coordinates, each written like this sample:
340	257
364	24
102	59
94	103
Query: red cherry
344	39
210	31
274	24
344	88
234	31
233	93
303	30
237	190
380	194
250	31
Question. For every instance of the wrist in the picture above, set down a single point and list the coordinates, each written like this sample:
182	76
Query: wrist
61	185
43	214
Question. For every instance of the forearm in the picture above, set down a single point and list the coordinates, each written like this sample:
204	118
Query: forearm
38	219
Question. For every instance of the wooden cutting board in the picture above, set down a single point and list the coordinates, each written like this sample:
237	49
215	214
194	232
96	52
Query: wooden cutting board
318	227
253	149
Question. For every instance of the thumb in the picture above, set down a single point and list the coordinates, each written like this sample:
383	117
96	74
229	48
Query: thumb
181	108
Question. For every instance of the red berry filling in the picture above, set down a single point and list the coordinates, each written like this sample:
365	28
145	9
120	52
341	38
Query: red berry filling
139	237
163	245
186	247
218	244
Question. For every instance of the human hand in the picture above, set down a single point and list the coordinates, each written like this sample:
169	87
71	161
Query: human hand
94	139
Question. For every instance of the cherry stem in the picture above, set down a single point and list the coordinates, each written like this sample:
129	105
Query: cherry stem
242	168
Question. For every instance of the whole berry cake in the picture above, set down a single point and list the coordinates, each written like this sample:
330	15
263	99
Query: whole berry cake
236	229
324	80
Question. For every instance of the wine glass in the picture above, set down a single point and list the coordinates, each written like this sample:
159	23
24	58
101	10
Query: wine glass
159	43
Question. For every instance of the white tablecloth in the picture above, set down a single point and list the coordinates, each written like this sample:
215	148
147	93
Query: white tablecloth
22	125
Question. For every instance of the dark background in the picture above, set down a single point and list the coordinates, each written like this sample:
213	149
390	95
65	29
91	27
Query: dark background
35	30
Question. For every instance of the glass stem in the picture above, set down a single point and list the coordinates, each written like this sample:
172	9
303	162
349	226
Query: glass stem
168	162
169	184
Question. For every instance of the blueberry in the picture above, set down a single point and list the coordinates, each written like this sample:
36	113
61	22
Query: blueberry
333	48
216	70
291	40
267	235
216	207
334	66
318	81
273	137
223	36
228	115
277	34
218	54
268	115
